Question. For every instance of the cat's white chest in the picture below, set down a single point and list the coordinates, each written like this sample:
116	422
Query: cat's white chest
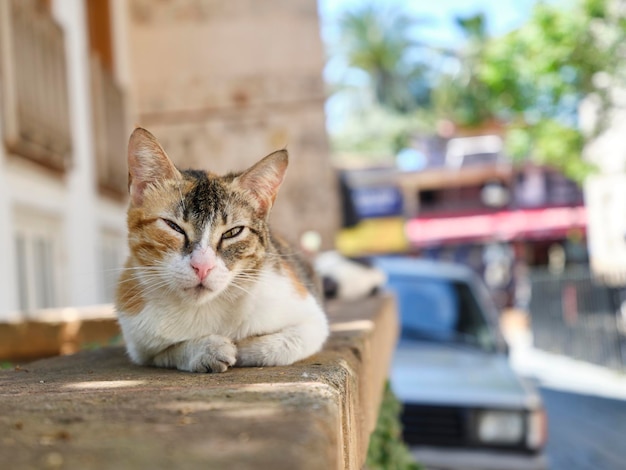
268	306
273	303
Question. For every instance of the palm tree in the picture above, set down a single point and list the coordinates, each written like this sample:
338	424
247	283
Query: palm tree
379	42
464	96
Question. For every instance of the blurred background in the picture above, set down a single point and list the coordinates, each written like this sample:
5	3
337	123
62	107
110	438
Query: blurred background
489	133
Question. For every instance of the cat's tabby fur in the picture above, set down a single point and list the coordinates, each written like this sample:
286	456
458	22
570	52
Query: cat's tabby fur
207	286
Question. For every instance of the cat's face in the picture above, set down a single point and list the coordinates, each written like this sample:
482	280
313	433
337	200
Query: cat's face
194	235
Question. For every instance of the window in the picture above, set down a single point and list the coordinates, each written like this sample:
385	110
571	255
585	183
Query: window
22	276
38	260
36	118
441	310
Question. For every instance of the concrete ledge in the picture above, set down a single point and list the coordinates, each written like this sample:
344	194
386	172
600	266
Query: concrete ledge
53	332
95	410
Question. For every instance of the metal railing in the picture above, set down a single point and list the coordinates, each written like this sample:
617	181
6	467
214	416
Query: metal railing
577	315
34	84
110	133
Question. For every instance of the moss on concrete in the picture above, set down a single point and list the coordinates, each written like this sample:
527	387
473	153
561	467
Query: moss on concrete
387	450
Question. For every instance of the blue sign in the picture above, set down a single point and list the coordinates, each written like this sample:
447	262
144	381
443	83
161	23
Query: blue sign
377	202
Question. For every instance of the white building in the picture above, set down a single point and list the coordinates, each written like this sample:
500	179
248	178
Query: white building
62	188
605	191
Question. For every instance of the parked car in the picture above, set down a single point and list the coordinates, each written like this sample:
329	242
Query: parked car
464	406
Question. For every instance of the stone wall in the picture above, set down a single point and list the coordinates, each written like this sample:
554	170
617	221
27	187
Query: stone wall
222	84
96	410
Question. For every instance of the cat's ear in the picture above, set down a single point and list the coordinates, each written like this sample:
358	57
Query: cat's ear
263	179
147	163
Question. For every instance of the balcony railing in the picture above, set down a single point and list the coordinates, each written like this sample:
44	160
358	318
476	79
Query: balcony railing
110	133
34	84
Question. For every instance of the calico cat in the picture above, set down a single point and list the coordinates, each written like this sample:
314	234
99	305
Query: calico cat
207	286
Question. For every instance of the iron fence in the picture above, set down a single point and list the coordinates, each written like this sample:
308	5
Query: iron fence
577	315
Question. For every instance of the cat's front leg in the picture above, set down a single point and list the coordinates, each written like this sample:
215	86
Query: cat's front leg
284	347
212	353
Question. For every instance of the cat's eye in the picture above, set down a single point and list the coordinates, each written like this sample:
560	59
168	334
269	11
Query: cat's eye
233	232
174	227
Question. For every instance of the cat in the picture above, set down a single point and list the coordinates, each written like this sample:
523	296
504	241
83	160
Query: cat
207	285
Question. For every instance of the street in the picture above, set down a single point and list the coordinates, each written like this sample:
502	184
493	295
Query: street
585	404
585	432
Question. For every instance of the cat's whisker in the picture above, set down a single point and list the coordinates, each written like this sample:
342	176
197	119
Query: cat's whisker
134	268
147	272
259	281
254	278
141	277
146	291
230	296
233	284
256	281
141	271
265	282
251	275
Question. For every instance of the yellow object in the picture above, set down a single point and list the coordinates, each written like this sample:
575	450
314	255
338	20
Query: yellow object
371	236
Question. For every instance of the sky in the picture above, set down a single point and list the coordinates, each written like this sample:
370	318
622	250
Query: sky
502	15
438	29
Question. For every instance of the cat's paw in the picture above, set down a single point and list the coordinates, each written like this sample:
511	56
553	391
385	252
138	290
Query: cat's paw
213	354
268	350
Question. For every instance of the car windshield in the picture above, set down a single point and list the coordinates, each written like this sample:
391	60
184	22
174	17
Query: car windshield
441	310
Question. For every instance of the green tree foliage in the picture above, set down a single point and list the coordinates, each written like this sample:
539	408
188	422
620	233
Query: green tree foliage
531	80
538	75
464	97
377	133
380	43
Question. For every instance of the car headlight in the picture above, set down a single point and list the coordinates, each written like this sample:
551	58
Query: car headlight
500	427
536	429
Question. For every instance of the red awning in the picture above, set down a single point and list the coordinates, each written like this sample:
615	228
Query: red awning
528	224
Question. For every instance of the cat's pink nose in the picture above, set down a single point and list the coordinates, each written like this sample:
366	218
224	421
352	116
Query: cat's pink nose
202	263
202	270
